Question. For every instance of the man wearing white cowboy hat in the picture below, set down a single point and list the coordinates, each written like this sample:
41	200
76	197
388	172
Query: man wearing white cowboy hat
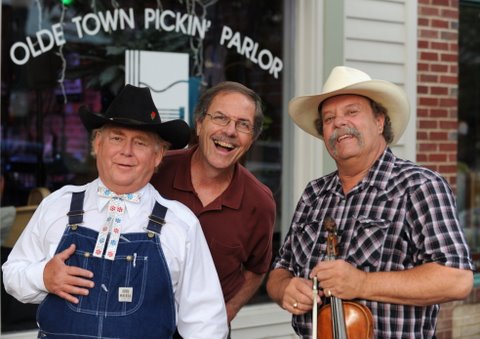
401	250
113	258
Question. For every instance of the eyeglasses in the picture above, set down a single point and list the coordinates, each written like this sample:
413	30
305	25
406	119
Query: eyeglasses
241	125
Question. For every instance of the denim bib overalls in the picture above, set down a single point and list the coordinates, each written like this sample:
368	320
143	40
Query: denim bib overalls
132	297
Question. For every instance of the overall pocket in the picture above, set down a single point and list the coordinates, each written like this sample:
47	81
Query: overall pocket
119	284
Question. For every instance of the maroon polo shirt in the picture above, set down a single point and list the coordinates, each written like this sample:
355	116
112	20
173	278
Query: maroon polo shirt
238	225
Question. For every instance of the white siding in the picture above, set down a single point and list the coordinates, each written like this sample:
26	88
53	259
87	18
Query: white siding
377	52
376	10
267	321
375	36
381	31
380	39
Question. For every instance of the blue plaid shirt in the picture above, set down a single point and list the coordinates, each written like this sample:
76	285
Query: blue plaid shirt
398	217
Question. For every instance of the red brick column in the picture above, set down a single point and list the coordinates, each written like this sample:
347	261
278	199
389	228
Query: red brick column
437	85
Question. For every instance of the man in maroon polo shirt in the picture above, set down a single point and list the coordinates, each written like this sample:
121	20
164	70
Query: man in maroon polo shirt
236	211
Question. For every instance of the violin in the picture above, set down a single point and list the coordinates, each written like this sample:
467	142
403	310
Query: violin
340	319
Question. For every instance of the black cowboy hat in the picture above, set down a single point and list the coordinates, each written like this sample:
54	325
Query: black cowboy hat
134	107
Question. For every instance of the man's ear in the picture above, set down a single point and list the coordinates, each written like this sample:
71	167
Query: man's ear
381	123
95	143
198	126
159	156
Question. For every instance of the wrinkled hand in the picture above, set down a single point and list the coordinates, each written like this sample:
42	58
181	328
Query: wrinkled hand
64	280
339	279
298	296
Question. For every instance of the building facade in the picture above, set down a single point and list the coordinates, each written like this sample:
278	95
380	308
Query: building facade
285	49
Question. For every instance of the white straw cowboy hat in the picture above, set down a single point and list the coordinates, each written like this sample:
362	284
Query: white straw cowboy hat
347	80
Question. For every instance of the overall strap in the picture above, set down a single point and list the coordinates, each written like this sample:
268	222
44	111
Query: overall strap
157	219
75	215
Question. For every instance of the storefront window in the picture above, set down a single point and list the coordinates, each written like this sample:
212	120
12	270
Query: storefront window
59	55
468	184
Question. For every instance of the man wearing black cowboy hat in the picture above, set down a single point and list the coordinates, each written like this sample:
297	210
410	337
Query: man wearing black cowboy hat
113	258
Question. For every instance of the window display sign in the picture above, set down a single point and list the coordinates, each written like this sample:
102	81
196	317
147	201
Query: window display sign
92	24
166	74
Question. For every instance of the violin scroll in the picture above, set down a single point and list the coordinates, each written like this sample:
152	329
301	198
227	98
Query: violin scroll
332	241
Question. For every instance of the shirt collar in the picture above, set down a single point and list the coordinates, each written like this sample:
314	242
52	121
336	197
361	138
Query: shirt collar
381	171
377	175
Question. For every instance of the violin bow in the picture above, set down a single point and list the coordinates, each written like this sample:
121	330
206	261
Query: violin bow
315	308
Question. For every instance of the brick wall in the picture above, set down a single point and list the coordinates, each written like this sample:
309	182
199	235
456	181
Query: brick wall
437	86
460	319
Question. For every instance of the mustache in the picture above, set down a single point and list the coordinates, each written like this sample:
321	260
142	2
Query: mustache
342	131
225	138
